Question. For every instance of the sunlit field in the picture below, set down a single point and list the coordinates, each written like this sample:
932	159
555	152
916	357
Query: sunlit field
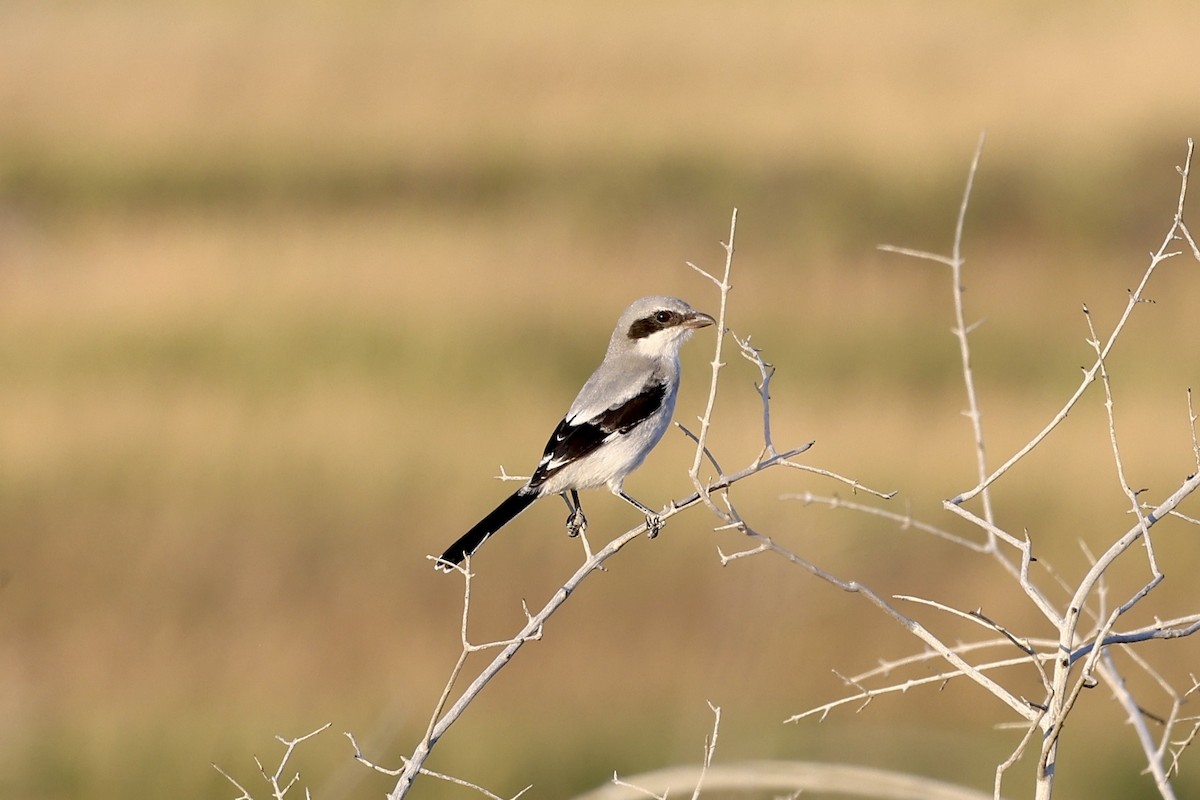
284	285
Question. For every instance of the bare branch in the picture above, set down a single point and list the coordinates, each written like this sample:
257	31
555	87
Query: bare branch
854	485
1016	754
278	790
1163	253
765	372
906	520
1106	382
1138	721
724	286
912	626
961	330
1192	426
865	695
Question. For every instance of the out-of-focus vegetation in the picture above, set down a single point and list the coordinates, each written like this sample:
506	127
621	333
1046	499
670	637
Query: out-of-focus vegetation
282	284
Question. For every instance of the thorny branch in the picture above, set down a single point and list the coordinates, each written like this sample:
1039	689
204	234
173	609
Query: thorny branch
1072	660
278	790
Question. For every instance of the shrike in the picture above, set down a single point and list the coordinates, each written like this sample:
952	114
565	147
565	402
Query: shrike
616	420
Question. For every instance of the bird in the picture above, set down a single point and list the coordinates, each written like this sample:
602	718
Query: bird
617	418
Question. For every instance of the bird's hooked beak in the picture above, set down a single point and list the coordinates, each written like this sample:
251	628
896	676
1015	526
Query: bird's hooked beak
698	319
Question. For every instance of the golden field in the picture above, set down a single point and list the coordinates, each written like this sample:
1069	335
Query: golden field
283	285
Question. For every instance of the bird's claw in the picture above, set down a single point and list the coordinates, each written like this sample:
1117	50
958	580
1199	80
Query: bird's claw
576	523
654	524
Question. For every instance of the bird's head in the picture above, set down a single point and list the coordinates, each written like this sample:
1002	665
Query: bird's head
656	327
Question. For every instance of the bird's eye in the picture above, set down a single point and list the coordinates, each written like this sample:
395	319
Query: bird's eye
663	317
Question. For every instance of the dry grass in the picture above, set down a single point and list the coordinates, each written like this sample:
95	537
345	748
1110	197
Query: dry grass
265	271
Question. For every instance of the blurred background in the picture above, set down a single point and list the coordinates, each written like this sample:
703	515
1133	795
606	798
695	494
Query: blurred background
283	285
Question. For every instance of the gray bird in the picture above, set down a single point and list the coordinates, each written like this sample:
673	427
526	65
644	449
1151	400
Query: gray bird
618	417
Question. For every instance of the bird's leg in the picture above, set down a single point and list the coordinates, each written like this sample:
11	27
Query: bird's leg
576	521
654	522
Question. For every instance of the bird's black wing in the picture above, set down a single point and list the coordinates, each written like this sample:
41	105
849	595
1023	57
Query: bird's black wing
569	443
572	441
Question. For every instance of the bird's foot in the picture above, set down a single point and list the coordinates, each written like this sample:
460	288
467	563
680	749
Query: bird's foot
654	524
576	523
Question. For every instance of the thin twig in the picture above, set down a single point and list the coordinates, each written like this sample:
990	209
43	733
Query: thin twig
996	689
278	791
905	521
724	286
1137	720
1089	375
961	330
710	747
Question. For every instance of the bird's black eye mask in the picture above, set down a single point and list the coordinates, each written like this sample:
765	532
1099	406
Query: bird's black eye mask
654	323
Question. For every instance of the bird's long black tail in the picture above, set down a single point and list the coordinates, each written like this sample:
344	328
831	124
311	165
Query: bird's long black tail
470	541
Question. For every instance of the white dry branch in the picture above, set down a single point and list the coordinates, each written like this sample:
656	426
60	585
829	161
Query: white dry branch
696	777
1089	647
279	787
